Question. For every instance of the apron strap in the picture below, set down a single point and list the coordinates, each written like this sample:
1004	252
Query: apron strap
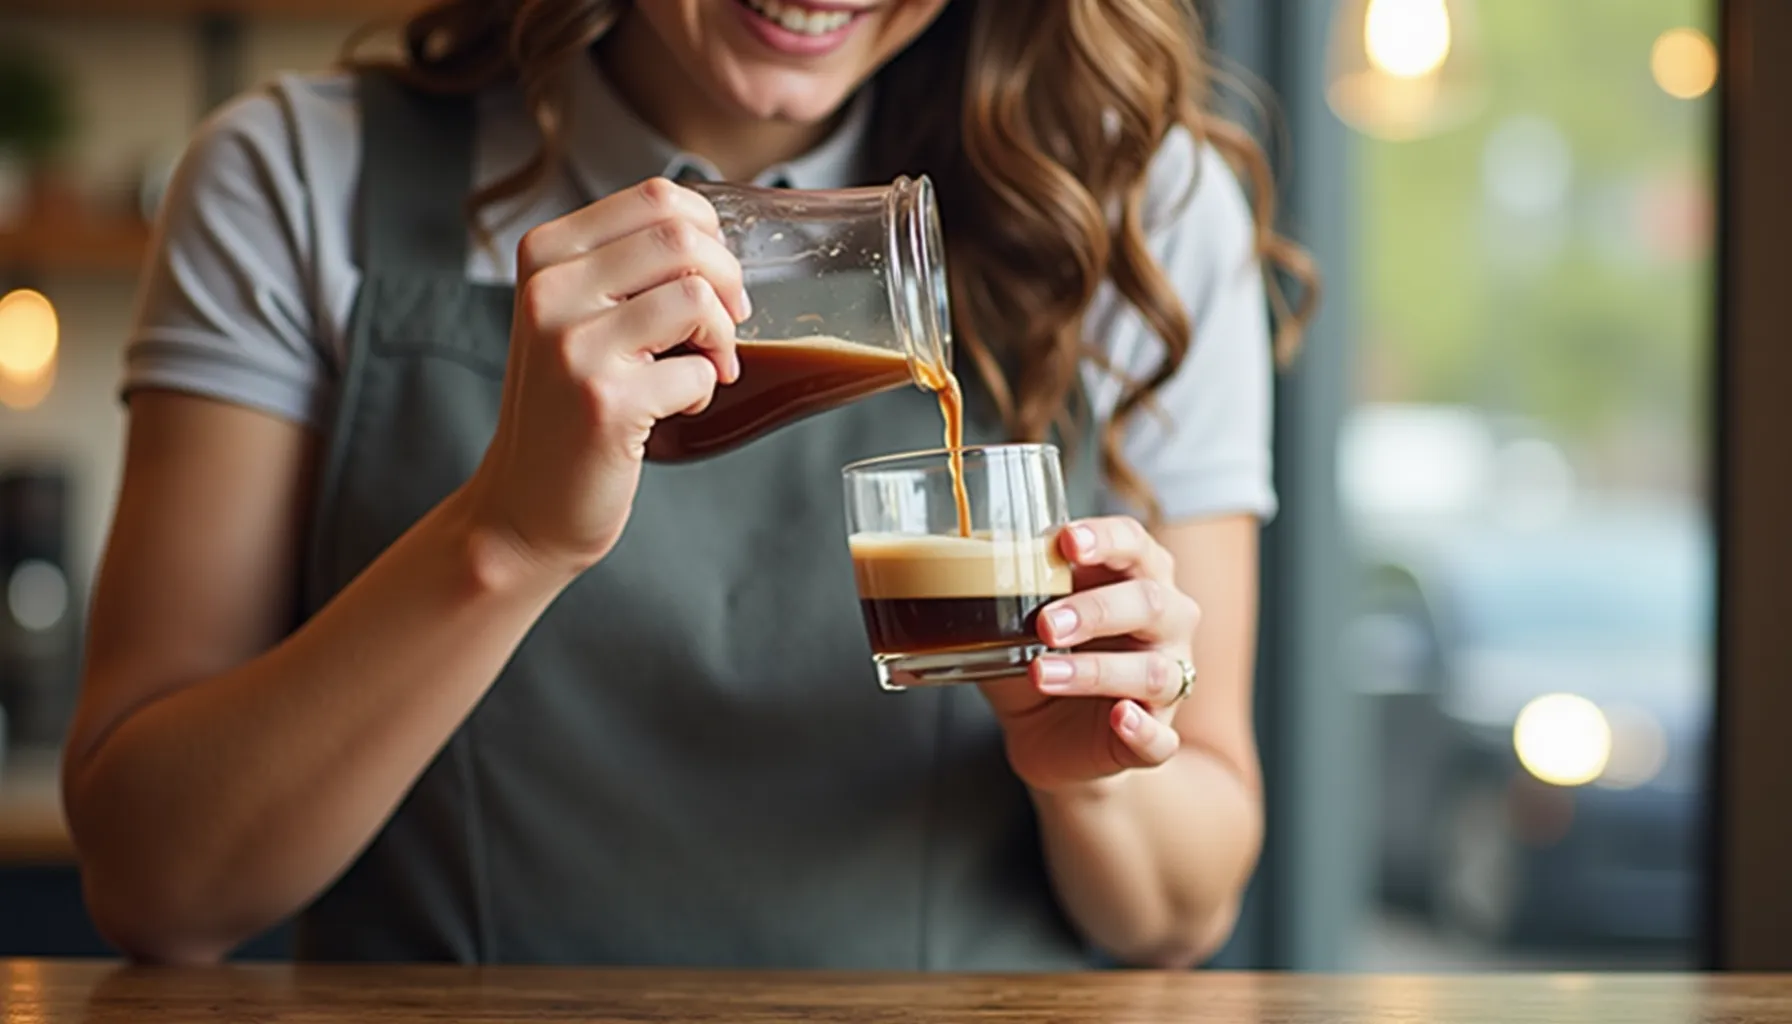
416	174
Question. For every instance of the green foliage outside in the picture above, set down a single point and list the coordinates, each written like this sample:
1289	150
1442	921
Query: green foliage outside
1594	316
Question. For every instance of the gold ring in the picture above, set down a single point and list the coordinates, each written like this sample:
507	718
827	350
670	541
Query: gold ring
1188	679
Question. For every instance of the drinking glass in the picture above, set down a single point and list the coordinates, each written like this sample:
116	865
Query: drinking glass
945	602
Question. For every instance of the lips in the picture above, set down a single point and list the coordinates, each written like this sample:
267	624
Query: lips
812	20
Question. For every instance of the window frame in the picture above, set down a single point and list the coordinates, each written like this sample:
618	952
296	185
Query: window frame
1749	831
1314	880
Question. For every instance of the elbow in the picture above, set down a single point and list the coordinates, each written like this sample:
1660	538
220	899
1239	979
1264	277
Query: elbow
167	905
149	915
1204	941
148	927
1193	941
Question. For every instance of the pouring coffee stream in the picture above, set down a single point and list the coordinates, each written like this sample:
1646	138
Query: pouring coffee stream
945	384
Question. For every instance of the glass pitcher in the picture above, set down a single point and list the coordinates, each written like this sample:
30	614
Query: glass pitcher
848	289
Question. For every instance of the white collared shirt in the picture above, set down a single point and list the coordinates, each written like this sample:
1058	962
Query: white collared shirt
249	294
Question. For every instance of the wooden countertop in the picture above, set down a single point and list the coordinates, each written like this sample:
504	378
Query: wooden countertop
95	993
32	829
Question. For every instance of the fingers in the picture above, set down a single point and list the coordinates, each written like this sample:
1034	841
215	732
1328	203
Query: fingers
645	393
682	310
1142	608
613	217
682	384
1120	544
639	272
1137	681
1152	678
1139	740
611	274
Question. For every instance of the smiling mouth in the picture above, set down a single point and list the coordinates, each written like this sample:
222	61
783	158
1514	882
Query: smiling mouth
800	19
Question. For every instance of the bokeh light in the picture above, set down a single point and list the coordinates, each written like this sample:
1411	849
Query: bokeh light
1684	63
1407	38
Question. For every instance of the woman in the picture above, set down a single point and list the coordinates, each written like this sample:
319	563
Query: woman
397	632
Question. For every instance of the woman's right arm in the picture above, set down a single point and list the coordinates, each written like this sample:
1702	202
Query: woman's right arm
216	776
219	772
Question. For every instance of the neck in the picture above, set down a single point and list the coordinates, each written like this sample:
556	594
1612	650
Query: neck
648	79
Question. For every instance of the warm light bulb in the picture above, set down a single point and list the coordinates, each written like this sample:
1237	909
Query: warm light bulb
1407	38
28	335
1684	63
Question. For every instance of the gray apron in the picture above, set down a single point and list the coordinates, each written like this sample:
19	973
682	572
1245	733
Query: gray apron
688	761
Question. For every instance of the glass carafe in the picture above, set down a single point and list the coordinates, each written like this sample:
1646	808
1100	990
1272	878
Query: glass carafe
848	289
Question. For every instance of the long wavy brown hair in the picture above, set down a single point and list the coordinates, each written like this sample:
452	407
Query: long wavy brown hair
1040	169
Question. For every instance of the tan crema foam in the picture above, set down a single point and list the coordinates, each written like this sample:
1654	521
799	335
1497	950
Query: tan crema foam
829	343
896	566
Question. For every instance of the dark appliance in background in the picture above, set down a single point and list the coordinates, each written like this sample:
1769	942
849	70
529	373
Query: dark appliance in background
39	606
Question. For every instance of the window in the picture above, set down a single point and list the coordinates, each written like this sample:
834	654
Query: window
1522	477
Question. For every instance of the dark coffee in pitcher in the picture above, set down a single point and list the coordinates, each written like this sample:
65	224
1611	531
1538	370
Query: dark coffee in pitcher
780	382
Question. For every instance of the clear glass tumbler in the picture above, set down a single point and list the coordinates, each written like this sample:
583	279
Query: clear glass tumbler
848	288
940	606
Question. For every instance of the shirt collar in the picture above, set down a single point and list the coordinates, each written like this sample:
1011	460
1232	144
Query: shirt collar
610	148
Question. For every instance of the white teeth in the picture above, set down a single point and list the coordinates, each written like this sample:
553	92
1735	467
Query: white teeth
795	19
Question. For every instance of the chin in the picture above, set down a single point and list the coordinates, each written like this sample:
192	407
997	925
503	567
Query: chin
783	96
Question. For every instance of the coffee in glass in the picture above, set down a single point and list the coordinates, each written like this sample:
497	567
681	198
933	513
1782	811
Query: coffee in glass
941	606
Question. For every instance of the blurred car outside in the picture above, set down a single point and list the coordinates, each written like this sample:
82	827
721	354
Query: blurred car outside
1536	662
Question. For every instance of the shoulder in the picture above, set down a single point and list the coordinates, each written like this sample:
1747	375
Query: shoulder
294	131
283	157
1192	195
1200	230
245	292
1205	448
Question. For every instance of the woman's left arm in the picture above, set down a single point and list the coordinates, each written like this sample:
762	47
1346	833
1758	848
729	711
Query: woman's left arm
1151	860
1151	802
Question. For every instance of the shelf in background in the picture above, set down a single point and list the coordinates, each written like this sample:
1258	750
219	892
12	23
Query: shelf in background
32	827
84	245
314	10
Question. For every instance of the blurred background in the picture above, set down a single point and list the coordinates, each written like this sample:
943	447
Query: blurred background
1522	474
1486	680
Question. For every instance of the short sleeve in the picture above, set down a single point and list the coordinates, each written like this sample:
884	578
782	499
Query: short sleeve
1205	450
225	309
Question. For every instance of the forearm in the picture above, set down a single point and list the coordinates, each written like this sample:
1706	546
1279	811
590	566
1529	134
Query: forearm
214	812
1151	864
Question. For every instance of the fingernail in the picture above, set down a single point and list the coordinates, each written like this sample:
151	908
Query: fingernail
734	361
1084	538
1055	674
746	306
1062	621
1131	719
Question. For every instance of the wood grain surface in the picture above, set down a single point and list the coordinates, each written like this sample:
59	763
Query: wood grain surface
98	993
